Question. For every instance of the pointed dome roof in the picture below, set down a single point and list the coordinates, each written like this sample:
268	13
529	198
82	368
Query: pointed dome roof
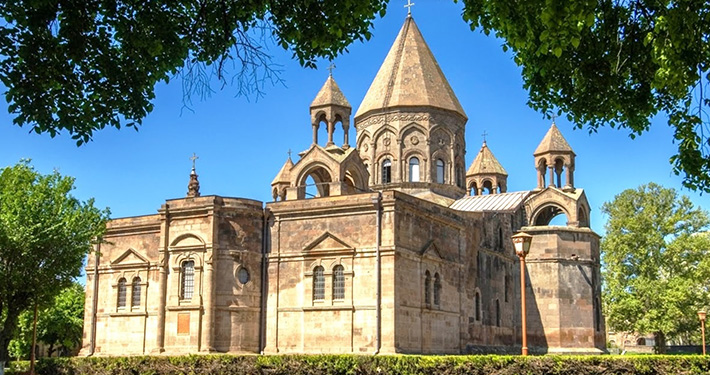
285	172
409	77
553	142
330	94
485	163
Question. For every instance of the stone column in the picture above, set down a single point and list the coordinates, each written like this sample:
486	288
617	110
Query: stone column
346	137
315	134
331	129
163	265
552	174
569	180
208	303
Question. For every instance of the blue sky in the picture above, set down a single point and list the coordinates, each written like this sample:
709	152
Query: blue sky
242	143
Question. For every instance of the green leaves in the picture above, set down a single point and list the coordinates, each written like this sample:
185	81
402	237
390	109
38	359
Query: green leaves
80	66
611	63
45	233
655	261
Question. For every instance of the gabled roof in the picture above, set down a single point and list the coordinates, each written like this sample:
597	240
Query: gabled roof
553	142
485	163
410	77
491	202
330	94
285	172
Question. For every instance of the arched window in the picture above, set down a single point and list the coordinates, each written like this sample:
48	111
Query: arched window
187	279
497	313
427	288
437	289
386	171
414	170
439	171
121	302
477	305
136	292
338	282
318	284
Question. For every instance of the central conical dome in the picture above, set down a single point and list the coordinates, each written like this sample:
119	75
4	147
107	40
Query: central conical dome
409	77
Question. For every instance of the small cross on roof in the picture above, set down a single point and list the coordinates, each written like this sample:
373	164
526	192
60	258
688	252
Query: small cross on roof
409	6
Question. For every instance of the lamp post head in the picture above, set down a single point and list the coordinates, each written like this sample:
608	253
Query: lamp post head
521	242
702	315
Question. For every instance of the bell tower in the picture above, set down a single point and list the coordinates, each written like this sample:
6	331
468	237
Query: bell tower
554	157
486	174
331	107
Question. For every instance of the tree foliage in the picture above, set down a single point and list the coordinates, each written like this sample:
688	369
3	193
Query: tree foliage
615	63
655	262
80	66
60	325
45	233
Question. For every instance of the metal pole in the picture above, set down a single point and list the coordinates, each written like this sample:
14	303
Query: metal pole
702	330
523	308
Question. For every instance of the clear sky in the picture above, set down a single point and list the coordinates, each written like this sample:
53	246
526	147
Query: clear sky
242	143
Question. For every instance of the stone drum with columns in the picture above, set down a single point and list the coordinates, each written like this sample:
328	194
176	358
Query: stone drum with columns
388	246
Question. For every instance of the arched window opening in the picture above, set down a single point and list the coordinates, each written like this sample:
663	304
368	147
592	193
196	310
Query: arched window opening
318	284
488	187
541	169
427	288
477	306
386	171
437	289
322	133
414	169
582	217
275	194
473	189
497	313
187	279
316	184
440	171
551	215
459	177
338	282
136	292
640	341
559	168
338	131
121	302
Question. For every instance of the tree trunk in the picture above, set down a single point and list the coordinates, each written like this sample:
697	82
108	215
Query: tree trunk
8	329
34	343
660	342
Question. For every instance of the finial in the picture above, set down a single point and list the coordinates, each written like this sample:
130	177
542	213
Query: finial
554	117
330	69
193	187
289	153
409	6
484	137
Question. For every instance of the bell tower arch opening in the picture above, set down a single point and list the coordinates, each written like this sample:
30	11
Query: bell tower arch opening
314	182
551	214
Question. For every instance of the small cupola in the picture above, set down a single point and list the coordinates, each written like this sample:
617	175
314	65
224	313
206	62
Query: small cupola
193	187
486	175
554	154
330	107
282	180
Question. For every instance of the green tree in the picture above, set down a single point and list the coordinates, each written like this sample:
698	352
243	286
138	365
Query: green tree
614	63
45	233
60	325
79	66
655	263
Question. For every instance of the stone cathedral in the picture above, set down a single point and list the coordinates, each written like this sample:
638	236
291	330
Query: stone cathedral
402	250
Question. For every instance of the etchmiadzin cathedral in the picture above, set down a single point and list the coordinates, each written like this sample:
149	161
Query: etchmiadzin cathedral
404	249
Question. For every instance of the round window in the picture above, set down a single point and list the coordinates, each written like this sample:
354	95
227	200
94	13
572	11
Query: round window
243	275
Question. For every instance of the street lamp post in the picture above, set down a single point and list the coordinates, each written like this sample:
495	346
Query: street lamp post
701	315
521	242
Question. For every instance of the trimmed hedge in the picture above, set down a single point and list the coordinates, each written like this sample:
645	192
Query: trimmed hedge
375	365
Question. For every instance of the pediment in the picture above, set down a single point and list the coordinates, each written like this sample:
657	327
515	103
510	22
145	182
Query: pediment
130	257
430	249
328	242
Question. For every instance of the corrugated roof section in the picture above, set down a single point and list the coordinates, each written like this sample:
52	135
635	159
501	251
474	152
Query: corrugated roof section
491	202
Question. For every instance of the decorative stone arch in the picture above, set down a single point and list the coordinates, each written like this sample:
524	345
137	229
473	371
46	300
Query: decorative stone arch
433	132
459	170
362	139
355	177
546	212
410	130
322	175
406	158
380	158
583	216
187	240
472	188
444	156
487	183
